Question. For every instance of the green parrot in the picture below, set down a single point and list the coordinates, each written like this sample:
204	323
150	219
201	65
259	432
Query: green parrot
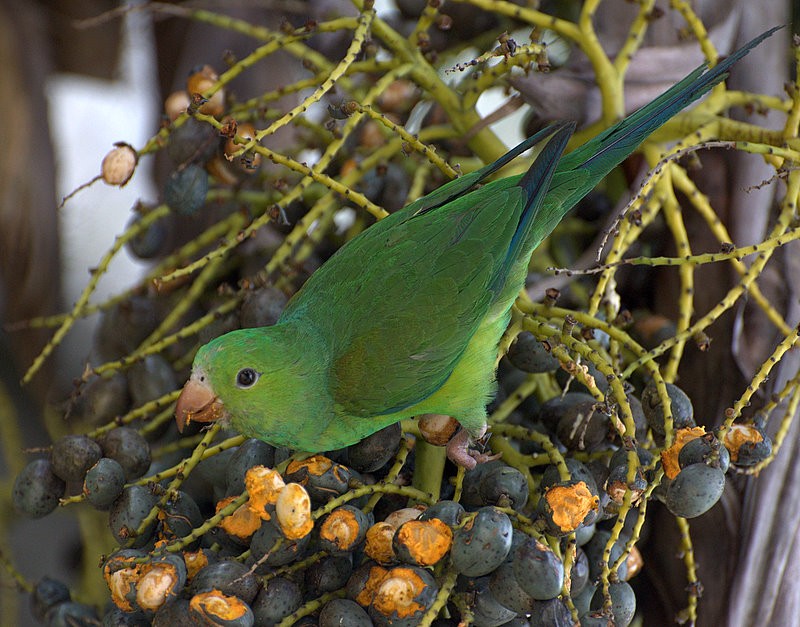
405	319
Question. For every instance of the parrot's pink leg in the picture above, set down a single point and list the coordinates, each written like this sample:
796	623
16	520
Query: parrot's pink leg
460	451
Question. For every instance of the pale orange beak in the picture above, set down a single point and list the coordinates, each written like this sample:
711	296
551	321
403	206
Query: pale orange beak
197	403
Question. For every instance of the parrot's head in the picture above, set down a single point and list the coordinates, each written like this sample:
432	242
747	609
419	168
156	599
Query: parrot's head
241	377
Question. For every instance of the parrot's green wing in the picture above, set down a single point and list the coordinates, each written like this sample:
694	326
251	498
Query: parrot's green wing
379	301
400	302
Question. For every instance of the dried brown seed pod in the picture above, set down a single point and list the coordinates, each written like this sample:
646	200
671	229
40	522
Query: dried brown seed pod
119	164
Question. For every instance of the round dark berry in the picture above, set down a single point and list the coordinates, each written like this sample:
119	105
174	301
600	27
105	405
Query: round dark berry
37	489
695	490
127	514
185	190
277	599
129	449
483	543
46	594
104	482
73	455
340	612
529	354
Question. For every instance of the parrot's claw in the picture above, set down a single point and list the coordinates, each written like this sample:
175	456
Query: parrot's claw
460	449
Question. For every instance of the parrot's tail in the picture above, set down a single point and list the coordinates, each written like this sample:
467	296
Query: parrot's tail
464	184
536	183
601	154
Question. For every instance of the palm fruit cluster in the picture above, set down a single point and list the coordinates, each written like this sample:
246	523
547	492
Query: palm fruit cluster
257	536
207	528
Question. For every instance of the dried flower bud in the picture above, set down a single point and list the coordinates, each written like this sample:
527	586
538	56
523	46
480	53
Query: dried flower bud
119	164
248	161
176	104
199	82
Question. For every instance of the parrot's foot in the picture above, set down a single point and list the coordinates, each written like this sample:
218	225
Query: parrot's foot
460	451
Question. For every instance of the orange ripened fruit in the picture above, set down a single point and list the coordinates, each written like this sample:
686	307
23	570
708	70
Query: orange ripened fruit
322	477
243	522
370	581
568	503
160	582
669	457
195	561
215	608
379	543
263	486
344	529
405	592
748	444
423	542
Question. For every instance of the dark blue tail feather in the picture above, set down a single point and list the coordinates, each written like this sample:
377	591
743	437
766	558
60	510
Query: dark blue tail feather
610	147
460	186
535	182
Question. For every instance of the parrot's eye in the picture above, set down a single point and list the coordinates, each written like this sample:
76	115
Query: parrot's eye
246	378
